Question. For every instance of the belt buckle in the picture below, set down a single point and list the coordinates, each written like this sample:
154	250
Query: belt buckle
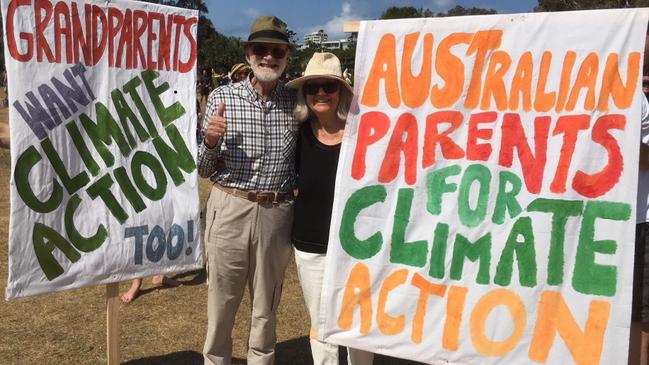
252	196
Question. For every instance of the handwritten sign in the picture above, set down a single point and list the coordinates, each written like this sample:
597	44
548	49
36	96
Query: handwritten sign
486	189
103	147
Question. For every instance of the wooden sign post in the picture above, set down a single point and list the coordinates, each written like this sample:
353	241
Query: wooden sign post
112	324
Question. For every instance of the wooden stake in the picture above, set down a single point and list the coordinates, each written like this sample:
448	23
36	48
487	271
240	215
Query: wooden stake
112	324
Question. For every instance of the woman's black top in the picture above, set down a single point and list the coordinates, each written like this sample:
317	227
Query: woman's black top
316	165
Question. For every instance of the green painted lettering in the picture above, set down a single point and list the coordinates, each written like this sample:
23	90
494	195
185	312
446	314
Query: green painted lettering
437	186
84	244
166	114
590	277
101	188
525	255
506	199
177	158
24	164
401	252
71	184
468	216
45	240
478	251
359	200
561	210
141	159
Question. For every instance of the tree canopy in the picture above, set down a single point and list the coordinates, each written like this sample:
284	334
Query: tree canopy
563	5
401	12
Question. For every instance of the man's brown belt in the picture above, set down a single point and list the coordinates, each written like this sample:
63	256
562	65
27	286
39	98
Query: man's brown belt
258	197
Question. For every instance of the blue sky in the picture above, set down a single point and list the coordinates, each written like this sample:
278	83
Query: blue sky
233	18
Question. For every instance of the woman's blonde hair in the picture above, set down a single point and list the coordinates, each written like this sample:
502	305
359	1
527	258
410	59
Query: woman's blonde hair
302	111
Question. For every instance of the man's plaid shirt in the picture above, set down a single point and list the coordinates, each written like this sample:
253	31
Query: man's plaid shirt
258	151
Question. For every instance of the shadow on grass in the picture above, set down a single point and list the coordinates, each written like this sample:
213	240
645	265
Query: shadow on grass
190	278
295	351
177	358
181	357
298	351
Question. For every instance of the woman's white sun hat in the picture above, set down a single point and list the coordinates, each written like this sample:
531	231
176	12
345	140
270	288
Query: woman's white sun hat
322	65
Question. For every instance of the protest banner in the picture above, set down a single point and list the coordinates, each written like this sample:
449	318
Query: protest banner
486	186
103	147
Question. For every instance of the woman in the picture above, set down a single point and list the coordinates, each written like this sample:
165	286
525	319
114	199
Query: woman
238	72
323	100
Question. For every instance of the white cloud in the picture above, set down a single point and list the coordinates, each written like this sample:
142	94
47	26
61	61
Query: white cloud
252	13
442	5
334	27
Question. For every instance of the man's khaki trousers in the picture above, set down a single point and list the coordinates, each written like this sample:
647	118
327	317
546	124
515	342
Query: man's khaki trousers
247	244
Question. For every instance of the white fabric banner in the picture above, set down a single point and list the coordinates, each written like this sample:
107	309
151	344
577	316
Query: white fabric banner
486	188
103	142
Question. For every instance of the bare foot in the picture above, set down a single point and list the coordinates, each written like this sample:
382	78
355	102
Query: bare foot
165	281
132	292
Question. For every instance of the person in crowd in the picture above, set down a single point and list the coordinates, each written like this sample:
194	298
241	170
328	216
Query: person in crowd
639	334
238	72
249	126
216	78
347	76
136	285
5	140
639	338
323	100
206	85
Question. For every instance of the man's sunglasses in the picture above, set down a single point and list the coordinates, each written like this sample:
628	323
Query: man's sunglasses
261	50
312	88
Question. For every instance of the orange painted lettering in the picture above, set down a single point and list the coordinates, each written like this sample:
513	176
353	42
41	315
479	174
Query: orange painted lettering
406	125
494	86
513	136
569	126
426	289
564	83
597	184
454	309
451	69
414	89
543	101
389	325
357	294
384	68
481	311
554	316
450	149
483	42
586	78
522	83
372	127
479	151
612	82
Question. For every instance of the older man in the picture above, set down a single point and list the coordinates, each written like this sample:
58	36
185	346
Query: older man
250	131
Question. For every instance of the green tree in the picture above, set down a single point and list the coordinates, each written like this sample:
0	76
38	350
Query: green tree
301	57
215	50
397	12
347	57
459	11
401	12
562	5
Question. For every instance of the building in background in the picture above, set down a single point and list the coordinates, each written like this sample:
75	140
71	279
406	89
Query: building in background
320	39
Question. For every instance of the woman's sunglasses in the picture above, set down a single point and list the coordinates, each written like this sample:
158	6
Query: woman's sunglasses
260	50
312	88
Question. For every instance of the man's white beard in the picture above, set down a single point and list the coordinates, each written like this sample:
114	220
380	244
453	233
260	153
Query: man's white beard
265	74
